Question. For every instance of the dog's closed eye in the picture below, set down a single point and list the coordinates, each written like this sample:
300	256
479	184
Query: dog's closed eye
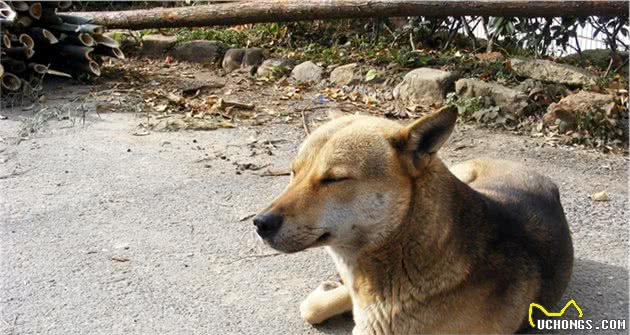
332	180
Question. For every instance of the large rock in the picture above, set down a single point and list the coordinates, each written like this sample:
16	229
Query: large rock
307	72
345	75
424	86
549	71
243	58
157	44
566	112
200	51
509	100
254	57
232	59
275	66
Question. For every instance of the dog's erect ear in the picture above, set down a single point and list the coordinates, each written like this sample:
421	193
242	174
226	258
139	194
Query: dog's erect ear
427	135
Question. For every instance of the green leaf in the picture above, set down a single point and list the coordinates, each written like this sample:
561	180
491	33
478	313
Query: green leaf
371	75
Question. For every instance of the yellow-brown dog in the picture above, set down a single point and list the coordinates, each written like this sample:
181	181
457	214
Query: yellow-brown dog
420	248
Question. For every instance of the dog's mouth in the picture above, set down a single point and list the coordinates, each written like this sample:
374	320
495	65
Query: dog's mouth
320	241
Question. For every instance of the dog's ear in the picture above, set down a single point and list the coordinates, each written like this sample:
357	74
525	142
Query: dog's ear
427	135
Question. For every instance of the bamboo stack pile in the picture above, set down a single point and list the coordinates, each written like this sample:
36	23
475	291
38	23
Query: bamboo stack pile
37	40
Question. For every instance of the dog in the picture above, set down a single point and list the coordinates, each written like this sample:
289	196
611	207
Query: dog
420	248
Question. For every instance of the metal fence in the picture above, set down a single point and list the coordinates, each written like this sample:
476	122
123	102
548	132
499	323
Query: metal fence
585	38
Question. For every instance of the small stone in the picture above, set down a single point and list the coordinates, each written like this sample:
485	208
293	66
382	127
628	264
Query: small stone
307	72
424	86
275	67
345	75
243	58
600	196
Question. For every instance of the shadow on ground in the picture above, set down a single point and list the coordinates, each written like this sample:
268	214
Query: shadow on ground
589	282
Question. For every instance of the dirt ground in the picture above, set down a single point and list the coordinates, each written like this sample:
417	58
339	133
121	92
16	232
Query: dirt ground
105	232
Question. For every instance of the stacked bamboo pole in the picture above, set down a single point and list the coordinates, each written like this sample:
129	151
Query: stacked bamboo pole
36	40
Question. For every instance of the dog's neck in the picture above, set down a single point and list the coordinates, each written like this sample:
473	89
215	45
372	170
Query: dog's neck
429	245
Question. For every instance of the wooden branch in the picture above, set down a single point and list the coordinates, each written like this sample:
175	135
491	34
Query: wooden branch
295	10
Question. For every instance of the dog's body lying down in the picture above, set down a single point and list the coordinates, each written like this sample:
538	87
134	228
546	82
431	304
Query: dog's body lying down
420	248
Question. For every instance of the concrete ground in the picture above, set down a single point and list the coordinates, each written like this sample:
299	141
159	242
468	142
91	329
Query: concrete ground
103	232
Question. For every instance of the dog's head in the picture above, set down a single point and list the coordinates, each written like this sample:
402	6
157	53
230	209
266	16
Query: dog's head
351	181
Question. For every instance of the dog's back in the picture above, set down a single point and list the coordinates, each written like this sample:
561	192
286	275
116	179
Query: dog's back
527	221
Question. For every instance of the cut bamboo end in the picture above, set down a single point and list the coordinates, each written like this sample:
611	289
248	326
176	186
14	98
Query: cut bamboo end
10	82
118	53
1	70
75	51
95	68
29	53
107	41
21	6
27	41
35	10
102	50
64	4
7	14
87	40
82	39
6	41
38	68
52	39
91	28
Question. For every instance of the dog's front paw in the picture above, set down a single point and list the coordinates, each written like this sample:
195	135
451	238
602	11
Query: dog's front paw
329	298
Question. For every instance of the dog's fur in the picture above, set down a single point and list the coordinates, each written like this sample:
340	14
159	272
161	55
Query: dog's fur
421	248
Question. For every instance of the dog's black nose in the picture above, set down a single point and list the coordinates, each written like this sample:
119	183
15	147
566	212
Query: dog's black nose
267	224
